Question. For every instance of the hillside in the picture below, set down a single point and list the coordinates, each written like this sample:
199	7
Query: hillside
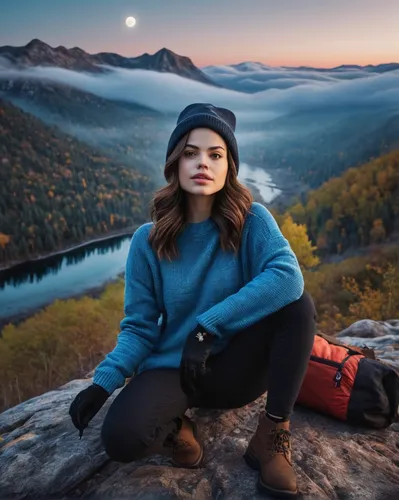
46	99
314	146
56	191
359	208
122	131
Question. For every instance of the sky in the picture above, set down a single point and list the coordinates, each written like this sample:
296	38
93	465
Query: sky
319	33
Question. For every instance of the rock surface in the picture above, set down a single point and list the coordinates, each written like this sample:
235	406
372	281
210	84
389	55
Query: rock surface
368	328
41	456
382	336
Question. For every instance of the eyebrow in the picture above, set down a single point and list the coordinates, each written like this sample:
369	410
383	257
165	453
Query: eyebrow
209	149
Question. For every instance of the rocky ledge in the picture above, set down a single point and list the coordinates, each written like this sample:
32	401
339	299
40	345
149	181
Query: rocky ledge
381	336
41	456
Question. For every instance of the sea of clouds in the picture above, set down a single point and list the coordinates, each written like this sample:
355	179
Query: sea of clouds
299	90
168	92
255	77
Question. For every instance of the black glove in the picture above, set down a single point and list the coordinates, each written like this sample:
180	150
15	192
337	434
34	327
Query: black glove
86	405
196	352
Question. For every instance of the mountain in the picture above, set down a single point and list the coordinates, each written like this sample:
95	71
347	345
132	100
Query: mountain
164	61
38	53
56	191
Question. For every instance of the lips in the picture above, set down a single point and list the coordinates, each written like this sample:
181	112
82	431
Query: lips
202	176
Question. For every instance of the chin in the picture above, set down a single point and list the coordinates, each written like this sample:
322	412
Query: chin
201	192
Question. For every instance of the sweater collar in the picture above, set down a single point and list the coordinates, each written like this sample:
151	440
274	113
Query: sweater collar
200	228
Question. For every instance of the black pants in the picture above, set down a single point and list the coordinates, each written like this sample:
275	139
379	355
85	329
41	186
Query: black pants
272	355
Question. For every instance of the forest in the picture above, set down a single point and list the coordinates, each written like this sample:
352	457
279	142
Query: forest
357	209
56	191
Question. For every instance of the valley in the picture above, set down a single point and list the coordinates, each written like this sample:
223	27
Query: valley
79	168
81	154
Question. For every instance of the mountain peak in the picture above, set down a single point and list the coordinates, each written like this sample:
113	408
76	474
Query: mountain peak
167	54
165	50
36	43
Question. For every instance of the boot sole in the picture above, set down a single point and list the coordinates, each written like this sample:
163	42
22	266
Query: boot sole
199	461
253	462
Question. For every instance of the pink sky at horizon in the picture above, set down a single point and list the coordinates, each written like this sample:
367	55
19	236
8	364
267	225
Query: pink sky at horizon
333	60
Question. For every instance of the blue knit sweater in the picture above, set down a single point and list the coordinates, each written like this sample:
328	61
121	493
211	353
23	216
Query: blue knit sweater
221	291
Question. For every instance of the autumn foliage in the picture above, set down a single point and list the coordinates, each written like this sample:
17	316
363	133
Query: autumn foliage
61	342
359	208
56	191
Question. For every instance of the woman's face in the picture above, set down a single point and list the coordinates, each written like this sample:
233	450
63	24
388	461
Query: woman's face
203	164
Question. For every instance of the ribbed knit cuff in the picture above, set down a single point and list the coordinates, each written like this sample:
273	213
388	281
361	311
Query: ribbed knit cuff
209	320
109	381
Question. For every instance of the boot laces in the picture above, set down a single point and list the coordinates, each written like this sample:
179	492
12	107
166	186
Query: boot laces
281	442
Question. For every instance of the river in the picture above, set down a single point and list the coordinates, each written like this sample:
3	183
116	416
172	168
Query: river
29	286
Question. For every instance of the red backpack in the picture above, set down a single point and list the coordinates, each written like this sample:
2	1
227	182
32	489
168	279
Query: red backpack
348	383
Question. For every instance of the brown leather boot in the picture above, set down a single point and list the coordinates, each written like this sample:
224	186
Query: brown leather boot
187	451
269	451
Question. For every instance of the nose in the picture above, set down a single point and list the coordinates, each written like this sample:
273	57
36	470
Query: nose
202	161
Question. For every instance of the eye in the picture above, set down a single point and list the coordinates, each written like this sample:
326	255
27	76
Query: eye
188	153
217	154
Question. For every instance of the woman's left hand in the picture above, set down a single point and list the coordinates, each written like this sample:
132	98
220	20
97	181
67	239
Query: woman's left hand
196	352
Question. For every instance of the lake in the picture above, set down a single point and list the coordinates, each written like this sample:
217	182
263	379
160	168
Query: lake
32	285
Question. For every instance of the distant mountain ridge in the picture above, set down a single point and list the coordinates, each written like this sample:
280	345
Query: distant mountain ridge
256	66
371	68
39	53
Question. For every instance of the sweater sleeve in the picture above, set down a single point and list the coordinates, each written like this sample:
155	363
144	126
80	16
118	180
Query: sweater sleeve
139	330
277	279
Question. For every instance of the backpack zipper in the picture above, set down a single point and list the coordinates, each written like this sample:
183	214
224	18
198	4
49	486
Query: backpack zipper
338	374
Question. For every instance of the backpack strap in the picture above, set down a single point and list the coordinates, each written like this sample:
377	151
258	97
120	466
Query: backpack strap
367	352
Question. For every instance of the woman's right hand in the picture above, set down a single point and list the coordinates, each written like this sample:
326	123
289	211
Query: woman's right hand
86	405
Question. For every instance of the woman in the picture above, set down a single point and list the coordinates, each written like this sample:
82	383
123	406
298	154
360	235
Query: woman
215	313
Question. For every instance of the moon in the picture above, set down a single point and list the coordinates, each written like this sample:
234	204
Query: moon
130	21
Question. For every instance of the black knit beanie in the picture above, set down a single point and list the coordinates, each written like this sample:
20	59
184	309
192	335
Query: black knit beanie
221	120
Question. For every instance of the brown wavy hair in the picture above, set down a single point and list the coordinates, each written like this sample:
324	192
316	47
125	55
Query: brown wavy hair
229	210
